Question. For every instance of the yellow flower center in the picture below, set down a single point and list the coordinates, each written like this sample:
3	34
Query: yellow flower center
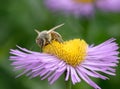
84	1
73	52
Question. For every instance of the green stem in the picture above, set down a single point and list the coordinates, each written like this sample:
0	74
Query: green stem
85	25
68	84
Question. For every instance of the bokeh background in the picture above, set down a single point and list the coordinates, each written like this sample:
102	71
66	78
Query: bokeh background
19	18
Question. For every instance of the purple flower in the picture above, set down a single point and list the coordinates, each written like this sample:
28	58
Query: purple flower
109	5
74	7
75	58
82	7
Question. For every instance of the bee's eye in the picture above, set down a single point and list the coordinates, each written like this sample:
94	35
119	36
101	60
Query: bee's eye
40	42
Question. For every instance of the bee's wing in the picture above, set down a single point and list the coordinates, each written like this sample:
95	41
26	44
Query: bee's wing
52	29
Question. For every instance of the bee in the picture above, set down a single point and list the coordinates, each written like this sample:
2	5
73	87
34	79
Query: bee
45	37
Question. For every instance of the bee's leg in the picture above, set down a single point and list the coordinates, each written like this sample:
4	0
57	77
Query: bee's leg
47	41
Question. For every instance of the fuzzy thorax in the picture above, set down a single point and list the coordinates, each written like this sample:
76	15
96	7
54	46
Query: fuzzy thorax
73	52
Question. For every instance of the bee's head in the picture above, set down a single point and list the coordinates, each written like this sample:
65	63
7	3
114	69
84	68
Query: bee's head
42	38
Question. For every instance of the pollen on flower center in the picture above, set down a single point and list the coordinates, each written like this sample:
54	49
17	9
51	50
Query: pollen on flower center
84	1
73	52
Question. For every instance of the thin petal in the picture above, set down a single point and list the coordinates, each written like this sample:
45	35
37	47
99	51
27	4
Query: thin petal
87	79
74	76
67	73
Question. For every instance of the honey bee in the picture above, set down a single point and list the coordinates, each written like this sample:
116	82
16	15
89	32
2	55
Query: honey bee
45	37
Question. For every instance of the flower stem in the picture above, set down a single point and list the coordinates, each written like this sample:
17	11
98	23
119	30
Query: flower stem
68	84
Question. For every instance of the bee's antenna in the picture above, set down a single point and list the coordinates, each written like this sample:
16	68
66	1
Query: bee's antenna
52	29
37	31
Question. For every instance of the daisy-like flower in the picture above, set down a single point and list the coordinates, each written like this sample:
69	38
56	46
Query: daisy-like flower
109	5
82	7
75	7
78	60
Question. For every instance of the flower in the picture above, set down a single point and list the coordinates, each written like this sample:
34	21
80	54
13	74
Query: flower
82	7
74	57
109	5
75	7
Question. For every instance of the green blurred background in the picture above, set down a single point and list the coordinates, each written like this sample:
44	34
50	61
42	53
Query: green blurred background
19	18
